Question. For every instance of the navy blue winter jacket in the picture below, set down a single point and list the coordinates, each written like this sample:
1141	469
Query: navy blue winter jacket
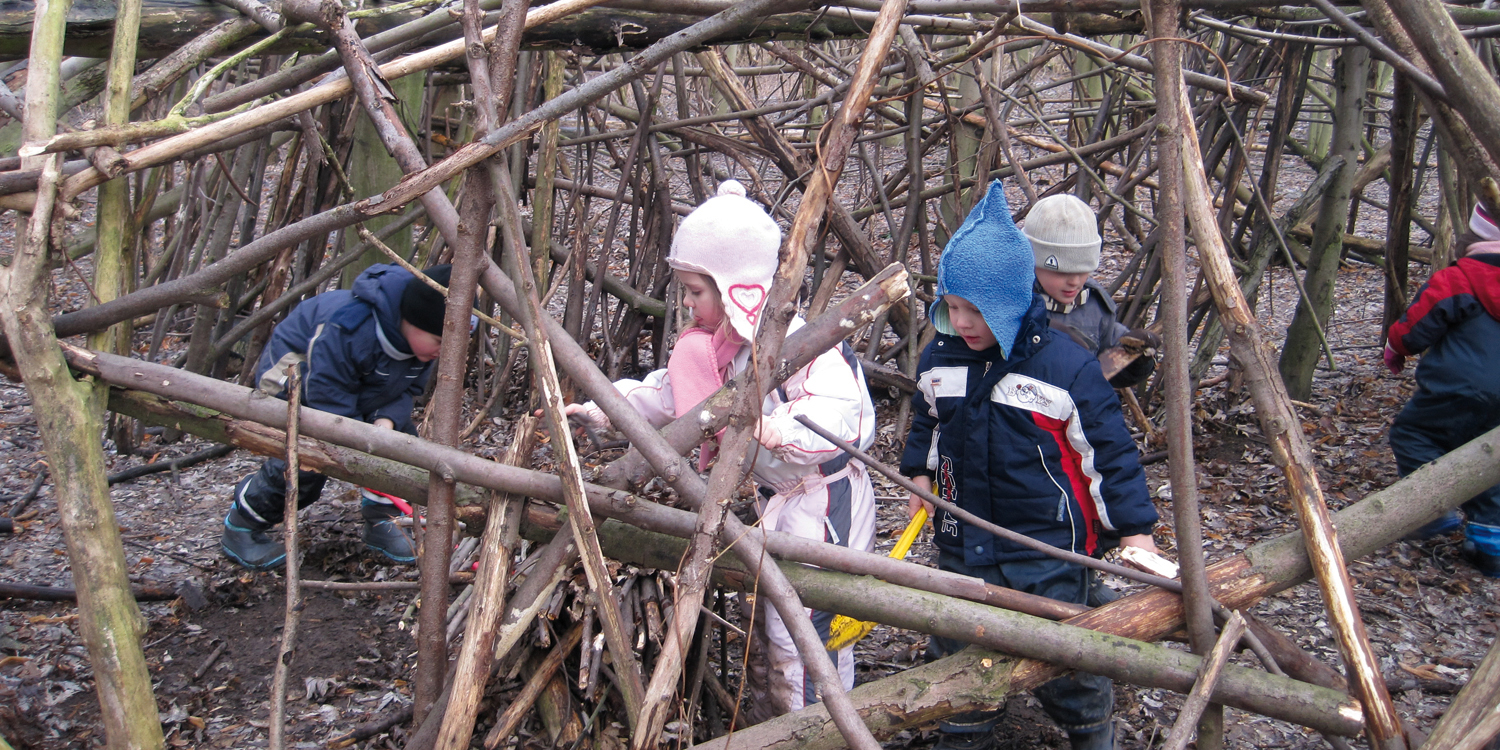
349	370
1035	443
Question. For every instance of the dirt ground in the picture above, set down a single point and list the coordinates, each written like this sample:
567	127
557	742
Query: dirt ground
1430	616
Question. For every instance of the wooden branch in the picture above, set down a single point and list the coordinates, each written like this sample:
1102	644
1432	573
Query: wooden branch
521	127
66	594
68	419
506	725
167	150
1472	719
1473	157
1470	88
1279	422
1136	62
288	646
550	395
797	167
496	548
172	465
352	465
1186	515
1209	673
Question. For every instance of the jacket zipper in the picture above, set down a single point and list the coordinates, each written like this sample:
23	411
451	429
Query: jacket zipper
1062	494
1062	503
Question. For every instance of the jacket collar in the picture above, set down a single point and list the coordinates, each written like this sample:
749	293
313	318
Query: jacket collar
1033	335
1063	307
388	346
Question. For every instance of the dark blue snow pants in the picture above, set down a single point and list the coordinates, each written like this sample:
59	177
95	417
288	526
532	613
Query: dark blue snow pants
1432	425
1079	702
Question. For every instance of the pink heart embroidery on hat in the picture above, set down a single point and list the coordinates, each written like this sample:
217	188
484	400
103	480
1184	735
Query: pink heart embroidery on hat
748	298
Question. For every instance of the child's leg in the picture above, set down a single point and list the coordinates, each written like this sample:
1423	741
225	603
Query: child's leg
1080	703
970	729
841	512
259	503
262	495
1483	510
1417	437
1427	429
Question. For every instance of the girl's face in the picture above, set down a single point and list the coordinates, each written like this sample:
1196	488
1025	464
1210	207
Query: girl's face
700	295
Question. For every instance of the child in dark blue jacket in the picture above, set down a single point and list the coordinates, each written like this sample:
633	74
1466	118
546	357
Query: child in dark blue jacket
1018	426
364	353
1454	323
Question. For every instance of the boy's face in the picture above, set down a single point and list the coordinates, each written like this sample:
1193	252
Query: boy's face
700	295
969	322
423	344
1063	287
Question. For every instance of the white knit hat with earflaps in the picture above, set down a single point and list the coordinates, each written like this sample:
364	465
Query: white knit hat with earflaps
1064	234
731	240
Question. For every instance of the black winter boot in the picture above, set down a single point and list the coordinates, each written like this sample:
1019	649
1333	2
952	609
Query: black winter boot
1102	738
246	543
972	730
383	535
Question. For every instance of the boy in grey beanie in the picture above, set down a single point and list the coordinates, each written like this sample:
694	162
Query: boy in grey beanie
1065	240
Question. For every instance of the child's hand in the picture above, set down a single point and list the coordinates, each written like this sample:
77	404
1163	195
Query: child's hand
384	423
1394	361
914	502
588	413
768	435
1147	337
1142	541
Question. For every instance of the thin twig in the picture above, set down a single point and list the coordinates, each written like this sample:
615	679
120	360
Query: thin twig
293	556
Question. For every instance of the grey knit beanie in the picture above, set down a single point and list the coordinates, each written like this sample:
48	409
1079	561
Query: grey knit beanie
1064	234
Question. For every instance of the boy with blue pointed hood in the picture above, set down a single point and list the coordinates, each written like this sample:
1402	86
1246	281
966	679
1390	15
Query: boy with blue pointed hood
1017	425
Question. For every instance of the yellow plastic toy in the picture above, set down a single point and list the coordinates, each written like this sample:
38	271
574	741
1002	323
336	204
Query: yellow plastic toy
846	630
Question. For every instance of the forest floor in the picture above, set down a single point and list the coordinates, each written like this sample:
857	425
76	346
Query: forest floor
1430	616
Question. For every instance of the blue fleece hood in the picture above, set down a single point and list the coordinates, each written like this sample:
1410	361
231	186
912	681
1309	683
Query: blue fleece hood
989	263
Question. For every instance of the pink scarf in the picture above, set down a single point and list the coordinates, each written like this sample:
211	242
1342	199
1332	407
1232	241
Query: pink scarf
700	364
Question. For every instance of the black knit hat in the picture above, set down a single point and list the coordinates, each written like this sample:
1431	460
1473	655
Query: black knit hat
423	306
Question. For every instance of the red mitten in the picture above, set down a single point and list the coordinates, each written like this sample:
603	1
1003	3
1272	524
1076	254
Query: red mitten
1394	360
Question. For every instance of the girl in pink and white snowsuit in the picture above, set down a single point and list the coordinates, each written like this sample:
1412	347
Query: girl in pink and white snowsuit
724	255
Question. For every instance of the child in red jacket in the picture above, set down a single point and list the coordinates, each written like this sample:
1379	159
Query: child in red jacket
1455	320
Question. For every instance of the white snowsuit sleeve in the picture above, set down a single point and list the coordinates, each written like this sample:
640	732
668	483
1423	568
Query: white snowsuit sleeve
827	392
651	396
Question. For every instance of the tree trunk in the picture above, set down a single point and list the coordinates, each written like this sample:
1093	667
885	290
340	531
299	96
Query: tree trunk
109	620
1404	124
1304	339
378	170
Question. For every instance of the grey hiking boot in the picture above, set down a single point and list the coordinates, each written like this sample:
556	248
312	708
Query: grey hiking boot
246	543
383	535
